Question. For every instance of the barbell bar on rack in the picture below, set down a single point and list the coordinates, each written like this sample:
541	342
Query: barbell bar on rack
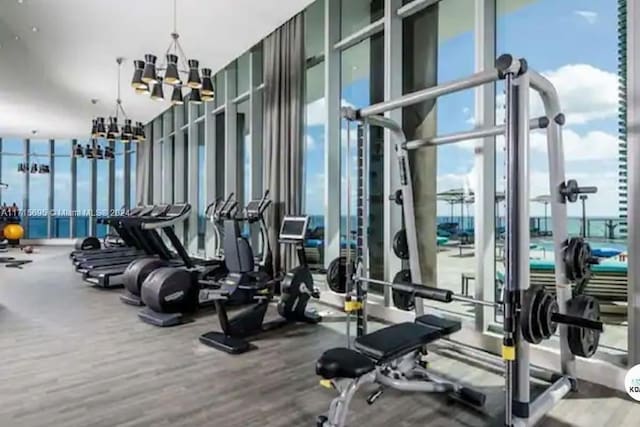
538	311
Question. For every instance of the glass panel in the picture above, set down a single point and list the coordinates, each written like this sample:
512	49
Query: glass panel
314	30
168	120
314	196
259	64
220	89
185	171
202	195
61	184
577	51
244	152
220	163
242	74
83	189
119	177
38	189
102	202
12	155
133	196
357	14
178	111
362	78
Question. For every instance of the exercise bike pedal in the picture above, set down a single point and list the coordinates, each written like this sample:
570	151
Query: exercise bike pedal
374	396
321	420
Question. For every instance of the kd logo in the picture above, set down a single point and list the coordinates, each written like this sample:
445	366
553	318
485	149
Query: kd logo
632	382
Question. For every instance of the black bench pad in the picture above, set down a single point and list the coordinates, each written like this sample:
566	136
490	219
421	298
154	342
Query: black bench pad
343	363
396	340
447	326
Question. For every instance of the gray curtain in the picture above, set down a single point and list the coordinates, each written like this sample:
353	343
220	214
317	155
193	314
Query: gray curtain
143	170
284	69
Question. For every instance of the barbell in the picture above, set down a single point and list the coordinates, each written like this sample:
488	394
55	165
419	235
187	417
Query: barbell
539	314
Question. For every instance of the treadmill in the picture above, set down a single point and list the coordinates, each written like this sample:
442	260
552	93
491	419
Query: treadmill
131	243
149	242
111	276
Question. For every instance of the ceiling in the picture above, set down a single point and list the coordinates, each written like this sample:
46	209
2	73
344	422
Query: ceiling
49	76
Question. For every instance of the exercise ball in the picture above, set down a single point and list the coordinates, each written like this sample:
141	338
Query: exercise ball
13	232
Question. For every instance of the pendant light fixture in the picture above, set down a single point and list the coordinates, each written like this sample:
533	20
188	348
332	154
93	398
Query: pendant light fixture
147	78
112	131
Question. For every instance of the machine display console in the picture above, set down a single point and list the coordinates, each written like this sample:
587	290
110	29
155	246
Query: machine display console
176	210
294	228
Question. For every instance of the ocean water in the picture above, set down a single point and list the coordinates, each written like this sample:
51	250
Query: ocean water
597	228
37	227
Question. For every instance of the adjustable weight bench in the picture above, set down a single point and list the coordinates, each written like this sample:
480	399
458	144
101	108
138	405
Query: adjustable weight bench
391	357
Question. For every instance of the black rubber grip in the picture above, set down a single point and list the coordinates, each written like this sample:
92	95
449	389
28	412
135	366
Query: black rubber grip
426	292
577	321
472	396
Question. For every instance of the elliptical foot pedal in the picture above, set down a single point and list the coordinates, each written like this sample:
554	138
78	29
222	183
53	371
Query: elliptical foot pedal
222	342
162	320
131	299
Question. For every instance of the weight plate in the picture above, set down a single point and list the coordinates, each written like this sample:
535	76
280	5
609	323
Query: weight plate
529	315
337	275
548	307
400	245
583	342
403	300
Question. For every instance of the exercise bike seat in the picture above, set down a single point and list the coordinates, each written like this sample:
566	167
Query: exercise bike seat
396	340
343	363
446	326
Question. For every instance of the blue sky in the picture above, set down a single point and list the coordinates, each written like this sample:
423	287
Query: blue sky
574	43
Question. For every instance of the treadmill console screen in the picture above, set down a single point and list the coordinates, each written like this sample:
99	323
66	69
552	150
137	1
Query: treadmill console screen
176	210
158	210
294	227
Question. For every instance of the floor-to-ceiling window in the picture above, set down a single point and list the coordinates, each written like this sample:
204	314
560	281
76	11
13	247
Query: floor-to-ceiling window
38	189
118	180
61	189
83	190
12	155
362	83
102	194
314	132
244	152
577	52
202	195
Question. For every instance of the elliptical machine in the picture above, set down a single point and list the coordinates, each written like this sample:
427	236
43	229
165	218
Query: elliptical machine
169	293
296	287
138	271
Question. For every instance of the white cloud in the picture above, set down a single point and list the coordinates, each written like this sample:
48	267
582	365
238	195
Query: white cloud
588	15
595	145
586	93
310	143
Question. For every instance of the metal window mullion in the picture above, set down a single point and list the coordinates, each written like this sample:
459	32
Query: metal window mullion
94	197
392	90
210	182
192	183
111	194
51	201
231	169
332	145
633	159
167	161
74	192
127	176
414	7
255	125
25	192
485	165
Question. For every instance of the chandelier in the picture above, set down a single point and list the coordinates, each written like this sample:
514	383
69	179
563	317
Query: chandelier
93	151
178	72
112	130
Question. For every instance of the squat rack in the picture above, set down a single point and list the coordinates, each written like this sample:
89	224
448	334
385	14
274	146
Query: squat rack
518	78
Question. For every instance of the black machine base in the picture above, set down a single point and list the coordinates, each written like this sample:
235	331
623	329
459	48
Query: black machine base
221	342
129	298
162	320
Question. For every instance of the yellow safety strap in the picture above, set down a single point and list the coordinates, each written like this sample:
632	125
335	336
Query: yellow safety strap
352	305
326	383
508	352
